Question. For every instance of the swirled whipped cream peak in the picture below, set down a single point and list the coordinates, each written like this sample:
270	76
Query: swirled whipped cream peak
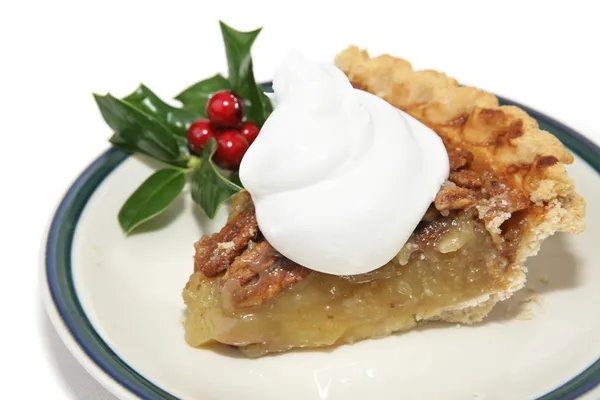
339	177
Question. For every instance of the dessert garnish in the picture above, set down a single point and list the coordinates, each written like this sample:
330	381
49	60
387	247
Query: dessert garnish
205	138
349	192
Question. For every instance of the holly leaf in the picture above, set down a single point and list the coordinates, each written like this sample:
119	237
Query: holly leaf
178	120
267	106
136	131
153	197
195	97
235	178
241	72
210	188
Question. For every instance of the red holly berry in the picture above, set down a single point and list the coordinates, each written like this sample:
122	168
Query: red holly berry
225	109
199	133
249	131
231	147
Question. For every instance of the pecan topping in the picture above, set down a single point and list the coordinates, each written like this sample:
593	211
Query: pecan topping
215	253
452	197
261	273
254	272
256	258
465	178
459	158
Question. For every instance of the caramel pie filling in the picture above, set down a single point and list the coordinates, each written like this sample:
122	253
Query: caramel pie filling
446	263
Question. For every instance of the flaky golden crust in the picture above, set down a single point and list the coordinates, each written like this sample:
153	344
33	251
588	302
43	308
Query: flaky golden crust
504	141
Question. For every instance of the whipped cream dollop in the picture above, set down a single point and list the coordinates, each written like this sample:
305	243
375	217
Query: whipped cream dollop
339	177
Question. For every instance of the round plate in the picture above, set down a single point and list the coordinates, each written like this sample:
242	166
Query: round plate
116	302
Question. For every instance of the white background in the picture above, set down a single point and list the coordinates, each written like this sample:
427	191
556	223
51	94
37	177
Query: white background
54	54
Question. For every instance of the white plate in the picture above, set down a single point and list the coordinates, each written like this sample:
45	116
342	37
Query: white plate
117	304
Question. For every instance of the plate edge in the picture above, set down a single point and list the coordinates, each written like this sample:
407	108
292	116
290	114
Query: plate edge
58	323
124	393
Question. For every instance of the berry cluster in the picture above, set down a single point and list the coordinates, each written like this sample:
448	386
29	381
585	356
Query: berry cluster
225	111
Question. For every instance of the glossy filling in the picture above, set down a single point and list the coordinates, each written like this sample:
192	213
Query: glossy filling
446	264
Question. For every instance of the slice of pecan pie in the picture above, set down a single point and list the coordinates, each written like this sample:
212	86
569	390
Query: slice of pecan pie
508	190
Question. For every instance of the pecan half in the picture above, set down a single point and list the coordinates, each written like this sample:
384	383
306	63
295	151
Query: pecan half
466	178
216	252
261	273
459	158
452	197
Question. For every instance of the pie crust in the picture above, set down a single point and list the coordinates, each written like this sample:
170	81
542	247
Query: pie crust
504	141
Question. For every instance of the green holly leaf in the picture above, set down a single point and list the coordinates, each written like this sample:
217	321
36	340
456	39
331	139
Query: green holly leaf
153	197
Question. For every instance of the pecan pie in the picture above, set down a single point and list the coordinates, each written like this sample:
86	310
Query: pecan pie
507	191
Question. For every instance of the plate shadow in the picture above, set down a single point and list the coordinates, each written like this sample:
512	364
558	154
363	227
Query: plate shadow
555	268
